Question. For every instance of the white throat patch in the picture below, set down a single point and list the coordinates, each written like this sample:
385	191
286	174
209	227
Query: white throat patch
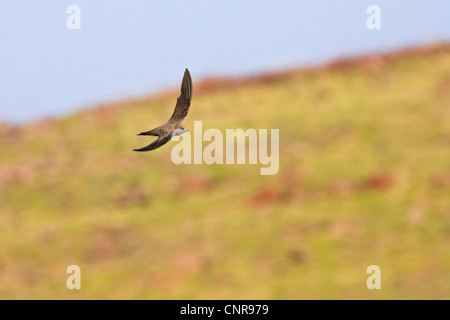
178	132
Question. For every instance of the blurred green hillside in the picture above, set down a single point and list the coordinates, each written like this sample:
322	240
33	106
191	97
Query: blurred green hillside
364	179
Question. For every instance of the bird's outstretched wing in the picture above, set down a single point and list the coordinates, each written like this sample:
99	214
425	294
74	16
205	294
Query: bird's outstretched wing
184	100
162	140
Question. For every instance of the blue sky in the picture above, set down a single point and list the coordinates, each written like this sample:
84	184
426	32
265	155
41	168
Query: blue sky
135	48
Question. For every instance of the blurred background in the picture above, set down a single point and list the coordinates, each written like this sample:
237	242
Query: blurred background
364	173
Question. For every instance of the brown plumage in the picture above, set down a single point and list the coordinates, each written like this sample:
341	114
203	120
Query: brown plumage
173	127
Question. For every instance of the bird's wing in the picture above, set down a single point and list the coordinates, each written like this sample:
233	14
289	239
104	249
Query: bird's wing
184	100
162	140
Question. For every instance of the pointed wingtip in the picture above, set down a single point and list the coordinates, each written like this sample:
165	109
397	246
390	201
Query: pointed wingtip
186	86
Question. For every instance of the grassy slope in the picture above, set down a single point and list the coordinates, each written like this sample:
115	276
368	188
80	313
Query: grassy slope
364	179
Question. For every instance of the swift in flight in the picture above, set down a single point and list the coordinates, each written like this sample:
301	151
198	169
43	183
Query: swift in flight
173	127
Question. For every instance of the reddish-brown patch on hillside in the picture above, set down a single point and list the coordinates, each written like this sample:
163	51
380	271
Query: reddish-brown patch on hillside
266	195
213	84
378	181
441	181
369	63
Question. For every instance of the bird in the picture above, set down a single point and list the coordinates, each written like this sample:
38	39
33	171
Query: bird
173	127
